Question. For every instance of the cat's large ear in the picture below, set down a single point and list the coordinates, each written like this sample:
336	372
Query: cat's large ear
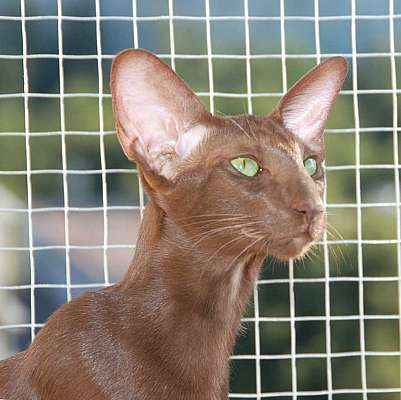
306	106
158	117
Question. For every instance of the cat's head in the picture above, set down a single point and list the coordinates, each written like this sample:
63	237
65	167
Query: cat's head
234	183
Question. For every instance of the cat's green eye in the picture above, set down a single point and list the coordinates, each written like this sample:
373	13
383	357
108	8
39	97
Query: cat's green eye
246	166
310	166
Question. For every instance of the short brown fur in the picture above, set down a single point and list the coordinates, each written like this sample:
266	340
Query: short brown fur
166	331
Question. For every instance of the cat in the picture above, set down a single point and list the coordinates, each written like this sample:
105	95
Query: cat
224	192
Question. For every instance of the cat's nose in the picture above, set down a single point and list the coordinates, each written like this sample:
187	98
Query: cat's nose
310	209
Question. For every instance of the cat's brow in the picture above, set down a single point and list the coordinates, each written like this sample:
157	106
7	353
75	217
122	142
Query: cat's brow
241	128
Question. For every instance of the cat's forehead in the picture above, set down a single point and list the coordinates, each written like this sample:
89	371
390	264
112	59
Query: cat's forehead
265	133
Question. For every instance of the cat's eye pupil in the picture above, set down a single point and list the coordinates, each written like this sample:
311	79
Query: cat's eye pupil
246	166
310	166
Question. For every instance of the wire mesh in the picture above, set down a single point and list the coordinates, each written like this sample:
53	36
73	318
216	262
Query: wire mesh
329	329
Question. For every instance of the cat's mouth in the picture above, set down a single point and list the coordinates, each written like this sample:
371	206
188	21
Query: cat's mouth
295	246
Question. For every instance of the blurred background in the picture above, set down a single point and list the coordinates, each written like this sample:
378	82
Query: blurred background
75	160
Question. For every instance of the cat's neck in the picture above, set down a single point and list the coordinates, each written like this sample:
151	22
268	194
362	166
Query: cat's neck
198	298
195	276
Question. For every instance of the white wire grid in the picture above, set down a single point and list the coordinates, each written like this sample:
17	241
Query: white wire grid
365	391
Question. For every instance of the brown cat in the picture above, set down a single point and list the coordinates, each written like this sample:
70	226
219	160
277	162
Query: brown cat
223	193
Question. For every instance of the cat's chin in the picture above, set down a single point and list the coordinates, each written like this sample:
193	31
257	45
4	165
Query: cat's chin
291	248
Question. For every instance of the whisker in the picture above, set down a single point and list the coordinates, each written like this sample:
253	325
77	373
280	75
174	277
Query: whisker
240	127
216	215
215	231
214	221
244	251
250	128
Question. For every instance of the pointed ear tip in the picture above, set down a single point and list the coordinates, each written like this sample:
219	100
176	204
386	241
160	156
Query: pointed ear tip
130	56
339	64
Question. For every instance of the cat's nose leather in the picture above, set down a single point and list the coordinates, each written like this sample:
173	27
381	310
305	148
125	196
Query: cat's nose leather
310	209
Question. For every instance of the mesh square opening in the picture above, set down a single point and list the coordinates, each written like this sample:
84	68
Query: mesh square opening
382	104
12	76
334	8
276	375
230	105
341	186
10	37
335	37
48	300
147	8
12	115
86	266
123	189
44	114
379	260
345	335
10	146
264	29
220	7
346	372
77	9
311	336
43	75
47	190
80	235
50	266
43	37
311	374
13	190
154	36
379	223
83	152
371	142
85	190
340	148
275	338
116	36
344	221
372	36
15	268
14	340
80	76
79	37
48	228
377	67
228	37
190	37
262	71
273	300
344	298
383	371
309	299
193	8
377	186
242	376
194	72
81	114
300	36
46	152
381	298
123	226
382	335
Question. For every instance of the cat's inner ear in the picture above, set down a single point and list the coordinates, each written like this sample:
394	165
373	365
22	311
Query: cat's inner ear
159	119
306	106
